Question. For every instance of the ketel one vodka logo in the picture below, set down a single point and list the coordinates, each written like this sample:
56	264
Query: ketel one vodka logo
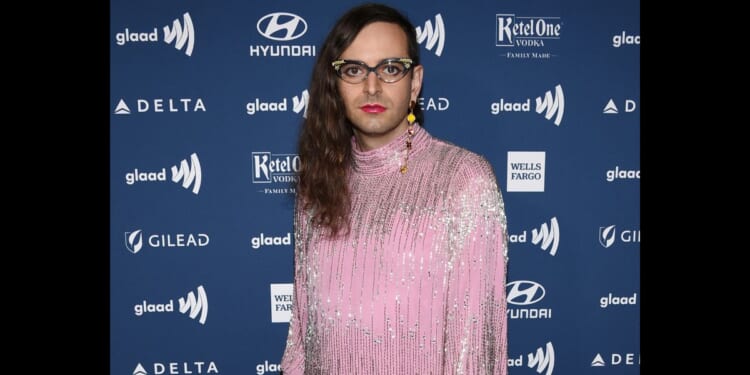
278	171
526	31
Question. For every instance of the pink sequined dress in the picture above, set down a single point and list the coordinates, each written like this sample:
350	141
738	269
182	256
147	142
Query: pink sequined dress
418	284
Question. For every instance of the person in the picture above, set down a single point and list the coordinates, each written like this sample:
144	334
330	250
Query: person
400	238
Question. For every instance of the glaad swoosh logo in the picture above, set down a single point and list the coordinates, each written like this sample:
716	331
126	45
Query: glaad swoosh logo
552	106
181	35
543	361
188	174
546	236
432	36
195	305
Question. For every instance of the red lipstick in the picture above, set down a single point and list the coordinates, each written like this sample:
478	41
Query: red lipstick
372	108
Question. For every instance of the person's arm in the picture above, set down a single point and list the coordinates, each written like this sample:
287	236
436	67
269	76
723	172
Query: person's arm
476	322
293	361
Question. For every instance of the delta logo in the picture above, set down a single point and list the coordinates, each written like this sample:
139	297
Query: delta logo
161	105
611	108
616	359
180	34
177	368
187	174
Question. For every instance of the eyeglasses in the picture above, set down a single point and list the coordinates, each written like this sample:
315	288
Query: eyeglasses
389	70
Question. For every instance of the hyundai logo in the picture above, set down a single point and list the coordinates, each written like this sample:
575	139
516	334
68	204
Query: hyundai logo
525	292
282	26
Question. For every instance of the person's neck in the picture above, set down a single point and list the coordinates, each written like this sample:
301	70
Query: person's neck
367	142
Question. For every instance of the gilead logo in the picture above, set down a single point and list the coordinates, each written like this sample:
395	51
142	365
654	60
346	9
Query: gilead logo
434	104
608	235
134	240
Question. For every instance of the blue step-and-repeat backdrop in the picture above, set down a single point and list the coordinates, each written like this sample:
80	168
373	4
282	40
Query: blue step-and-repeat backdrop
207	99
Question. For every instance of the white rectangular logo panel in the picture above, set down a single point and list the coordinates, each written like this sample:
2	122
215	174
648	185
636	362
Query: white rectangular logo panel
526	171
281	302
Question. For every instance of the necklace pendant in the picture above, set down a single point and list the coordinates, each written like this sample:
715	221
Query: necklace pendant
403	169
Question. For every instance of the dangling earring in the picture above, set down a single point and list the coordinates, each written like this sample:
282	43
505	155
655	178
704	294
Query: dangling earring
410	118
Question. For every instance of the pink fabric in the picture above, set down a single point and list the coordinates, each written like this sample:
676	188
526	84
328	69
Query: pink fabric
418	284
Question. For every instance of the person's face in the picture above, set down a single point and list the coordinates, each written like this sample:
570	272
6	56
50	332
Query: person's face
377	109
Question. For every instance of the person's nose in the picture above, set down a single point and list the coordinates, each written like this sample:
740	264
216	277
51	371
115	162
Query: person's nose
372	83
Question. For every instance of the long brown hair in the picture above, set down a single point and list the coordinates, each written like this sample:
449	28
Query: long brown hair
324	145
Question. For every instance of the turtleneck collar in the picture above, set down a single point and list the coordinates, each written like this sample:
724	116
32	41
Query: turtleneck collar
389	157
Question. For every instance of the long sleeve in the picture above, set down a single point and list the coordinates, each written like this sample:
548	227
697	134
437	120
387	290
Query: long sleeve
293	360
476	322
417	285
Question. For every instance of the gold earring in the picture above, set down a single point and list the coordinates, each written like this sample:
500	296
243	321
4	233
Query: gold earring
411	118
409	132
